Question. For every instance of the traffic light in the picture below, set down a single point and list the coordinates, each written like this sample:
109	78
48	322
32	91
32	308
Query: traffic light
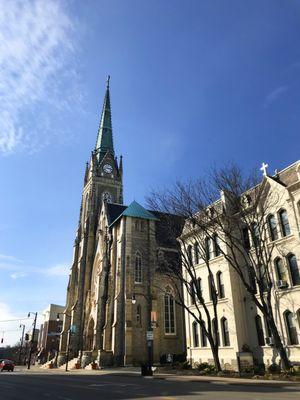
26	337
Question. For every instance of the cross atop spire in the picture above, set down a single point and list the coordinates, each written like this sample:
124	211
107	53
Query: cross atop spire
104	141
264	168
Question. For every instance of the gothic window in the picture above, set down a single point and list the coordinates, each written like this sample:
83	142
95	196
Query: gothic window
246	240
169	314
252	278
280	269
267	328
106	196
196	253
138	314
217	249
272	227
190	255
192	293
195	334
215	331
199	284
259	331
290	328
294	269
203	337
225	332
138	268
255	233
211	287
221	287
208	248
262	278
284	222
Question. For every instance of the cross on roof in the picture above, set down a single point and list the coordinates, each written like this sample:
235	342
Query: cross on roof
264	168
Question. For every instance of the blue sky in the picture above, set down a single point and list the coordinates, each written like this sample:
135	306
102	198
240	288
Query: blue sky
193	83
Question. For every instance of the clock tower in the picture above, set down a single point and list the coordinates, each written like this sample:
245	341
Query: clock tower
102	183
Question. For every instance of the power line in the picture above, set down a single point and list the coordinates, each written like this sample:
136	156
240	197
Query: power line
18	319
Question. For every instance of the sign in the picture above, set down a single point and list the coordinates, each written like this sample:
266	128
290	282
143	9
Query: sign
169	358
149	335
245	361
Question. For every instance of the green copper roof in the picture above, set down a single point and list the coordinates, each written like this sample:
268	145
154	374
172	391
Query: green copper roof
105	138
136	210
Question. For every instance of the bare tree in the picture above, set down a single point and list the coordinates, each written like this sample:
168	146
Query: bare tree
237	208
181	270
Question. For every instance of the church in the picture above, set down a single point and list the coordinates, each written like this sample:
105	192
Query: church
120	308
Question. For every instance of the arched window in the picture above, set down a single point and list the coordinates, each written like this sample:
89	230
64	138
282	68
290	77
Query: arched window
272	227
290	328
169	314
267	330
203	337
138	314
192	293
225	332
220	283
280	269
263	281
217	249
211	287
215	331
255	233
190	255
195	334
294	269
259	331
199	284
284	222
196	253
246	239
252	278
138	268
208	248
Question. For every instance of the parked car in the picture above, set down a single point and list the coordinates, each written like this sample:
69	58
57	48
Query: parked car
6	365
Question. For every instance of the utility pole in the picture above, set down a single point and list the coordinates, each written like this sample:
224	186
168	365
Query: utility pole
22	340
68	337
32	339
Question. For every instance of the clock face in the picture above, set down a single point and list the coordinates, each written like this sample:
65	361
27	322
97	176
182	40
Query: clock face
107	168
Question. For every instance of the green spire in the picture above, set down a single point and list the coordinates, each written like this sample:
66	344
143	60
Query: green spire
105	139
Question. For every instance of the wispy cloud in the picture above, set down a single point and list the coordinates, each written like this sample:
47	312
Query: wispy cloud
17	275
9	258
274	95
57	270
36	62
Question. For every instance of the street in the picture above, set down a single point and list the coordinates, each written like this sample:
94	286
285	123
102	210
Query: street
23	385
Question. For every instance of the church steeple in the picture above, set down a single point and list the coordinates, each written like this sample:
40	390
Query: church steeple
105	138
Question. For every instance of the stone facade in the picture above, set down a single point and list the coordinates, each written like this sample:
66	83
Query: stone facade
116	293
242	316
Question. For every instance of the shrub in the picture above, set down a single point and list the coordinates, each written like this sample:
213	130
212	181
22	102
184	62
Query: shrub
274	369
205	367
185	365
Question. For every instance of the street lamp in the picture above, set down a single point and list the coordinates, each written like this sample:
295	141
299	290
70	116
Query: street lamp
22	339
68	338
32	339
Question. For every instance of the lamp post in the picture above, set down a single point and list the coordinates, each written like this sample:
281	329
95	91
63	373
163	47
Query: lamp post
68	337
22	340
149	334
32	339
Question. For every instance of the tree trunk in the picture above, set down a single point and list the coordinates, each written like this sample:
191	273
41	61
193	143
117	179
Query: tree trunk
215	353
285	362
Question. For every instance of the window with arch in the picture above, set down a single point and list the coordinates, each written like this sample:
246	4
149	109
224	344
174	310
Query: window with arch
138	268
196	253
291	329
255	233
139	314
267	328
259	331
284	222
220	283
211	287
217	249
203	336
272	224
225	332
215	331
294	269
195	334
208	248
280	269
190	255
169	313
192	293
200	289
298	317
246	239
